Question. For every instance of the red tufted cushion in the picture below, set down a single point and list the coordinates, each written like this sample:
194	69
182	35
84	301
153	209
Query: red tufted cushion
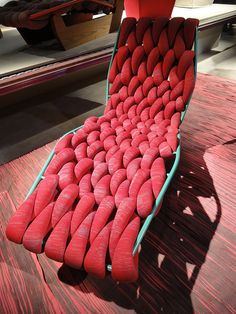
104	178
56	243
76	249
123	215
38	230
19	222
125	265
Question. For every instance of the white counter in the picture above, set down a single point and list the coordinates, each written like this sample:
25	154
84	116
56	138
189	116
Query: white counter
207	15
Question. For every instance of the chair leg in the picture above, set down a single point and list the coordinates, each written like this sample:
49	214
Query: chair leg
116	17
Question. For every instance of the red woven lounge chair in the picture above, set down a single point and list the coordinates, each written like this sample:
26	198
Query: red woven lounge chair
102	185
70	21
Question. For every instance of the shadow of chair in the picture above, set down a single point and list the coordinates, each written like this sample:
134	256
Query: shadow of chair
173	250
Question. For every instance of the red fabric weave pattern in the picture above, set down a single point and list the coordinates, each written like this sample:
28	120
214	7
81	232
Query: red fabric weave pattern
104	178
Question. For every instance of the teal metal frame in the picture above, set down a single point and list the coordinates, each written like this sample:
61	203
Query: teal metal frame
170	174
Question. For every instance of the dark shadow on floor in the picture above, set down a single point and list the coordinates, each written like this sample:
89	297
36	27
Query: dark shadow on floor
42	116
34	122
173	250
35	126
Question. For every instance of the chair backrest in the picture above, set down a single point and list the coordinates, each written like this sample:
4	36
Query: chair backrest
153	67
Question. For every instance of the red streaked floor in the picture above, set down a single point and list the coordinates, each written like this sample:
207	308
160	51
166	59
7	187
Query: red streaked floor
187	262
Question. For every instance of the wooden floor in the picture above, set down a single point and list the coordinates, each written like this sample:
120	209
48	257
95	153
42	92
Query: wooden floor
187	261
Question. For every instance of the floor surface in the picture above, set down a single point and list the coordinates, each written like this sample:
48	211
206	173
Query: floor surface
37	121
187	262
